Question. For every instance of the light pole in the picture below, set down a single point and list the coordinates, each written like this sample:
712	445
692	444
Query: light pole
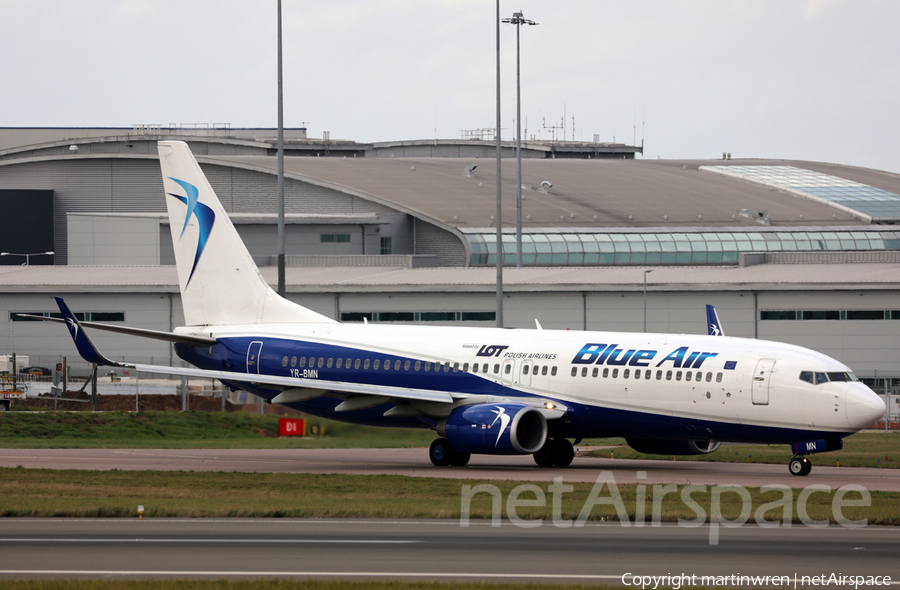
499	200
282	290
27	256
518	20
645	298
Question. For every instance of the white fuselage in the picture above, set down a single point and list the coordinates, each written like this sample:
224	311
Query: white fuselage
736	381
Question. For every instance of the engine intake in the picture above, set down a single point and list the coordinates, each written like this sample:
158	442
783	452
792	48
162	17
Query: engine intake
495	429
672	447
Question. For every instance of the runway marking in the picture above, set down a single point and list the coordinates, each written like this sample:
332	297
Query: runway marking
285	574
327	574
211	541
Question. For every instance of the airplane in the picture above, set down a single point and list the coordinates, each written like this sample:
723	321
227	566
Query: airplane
482	390
713	325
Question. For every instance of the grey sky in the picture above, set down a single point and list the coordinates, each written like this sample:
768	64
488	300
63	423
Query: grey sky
813	79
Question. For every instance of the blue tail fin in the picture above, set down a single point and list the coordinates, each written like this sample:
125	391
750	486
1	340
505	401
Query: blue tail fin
712	322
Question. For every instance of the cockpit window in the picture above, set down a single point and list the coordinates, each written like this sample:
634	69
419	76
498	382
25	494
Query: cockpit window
819	378
842	377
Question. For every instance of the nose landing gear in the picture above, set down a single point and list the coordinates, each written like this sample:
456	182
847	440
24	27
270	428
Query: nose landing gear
799	465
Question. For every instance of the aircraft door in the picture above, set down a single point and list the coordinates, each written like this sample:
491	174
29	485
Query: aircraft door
761	377
508	372
253	357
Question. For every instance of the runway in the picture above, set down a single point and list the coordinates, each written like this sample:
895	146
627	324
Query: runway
432	550
415	463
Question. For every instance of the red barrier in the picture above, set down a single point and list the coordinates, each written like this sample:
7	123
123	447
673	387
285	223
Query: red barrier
291	427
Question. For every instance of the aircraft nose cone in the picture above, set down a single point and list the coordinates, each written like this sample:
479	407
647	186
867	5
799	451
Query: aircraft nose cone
864	407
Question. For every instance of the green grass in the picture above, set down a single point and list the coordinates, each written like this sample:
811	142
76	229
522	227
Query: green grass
864	449
83	493
220	430
234	430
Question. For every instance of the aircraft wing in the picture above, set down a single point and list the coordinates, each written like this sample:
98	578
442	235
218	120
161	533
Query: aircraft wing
91	354
143	333
300	383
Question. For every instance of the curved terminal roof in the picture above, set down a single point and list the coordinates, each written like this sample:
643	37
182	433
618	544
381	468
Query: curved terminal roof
584	193
854	275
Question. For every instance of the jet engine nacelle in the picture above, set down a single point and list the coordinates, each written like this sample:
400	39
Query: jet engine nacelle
672	447
495	429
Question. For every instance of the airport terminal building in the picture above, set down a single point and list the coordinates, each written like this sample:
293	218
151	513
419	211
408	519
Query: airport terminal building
800	252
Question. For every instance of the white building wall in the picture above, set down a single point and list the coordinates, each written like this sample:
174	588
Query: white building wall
113	240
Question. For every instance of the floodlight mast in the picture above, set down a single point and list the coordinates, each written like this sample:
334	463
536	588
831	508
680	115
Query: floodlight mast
282	289
499	199
518	19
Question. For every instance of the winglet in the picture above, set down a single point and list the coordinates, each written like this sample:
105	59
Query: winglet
712	322
86	348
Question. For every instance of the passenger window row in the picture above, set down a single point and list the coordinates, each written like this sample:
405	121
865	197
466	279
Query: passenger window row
648	374
417	366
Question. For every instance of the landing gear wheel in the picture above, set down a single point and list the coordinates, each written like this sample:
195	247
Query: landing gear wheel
459	459
440	452
564	452
556	452
544	456
799	465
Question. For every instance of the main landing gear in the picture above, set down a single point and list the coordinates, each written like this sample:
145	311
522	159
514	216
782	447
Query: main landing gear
799	465
555	452
442	454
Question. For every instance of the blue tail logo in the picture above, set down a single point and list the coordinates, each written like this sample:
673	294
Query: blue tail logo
205	219
714	326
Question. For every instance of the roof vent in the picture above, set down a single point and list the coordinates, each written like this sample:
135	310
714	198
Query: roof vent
470	170
545	187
